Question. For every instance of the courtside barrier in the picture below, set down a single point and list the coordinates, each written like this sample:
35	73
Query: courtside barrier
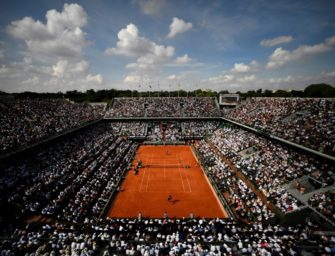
217	191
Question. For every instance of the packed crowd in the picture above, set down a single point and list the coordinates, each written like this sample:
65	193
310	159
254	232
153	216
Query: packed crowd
26	121
164	107
167	237
244	202
199	129
126	107
324	203
310	122
69	180
172	131
155	132
165	132
129	128
270	165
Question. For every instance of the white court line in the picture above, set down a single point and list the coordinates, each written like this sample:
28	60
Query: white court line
146	189
182	180
189	185
141	184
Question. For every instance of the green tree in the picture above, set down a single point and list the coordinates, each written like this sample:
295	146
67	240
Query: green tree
295	93
267	93
281	93
319	90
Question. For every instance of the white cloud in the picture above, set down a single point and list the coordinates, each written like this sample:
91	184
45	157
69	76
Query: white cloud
286	79
53	58
95	79
64	68
172	77
149	55
61	36
132	79
244	68
254	63
62	76
3	70
178	26
253	82
276	41
240	68
149	62
72	17
178	78
331	73
2	56
280	56
59	68
81	66
146	62
247	79
229	78
32	80
222	78
330	41
184	59
29	29
150	7
131	44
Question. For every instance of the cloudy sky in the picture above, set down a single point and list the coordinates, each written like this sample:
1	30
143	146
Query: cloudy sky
166	44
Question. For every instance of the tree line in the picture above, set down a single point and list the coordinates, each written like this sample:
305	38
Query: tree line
314	90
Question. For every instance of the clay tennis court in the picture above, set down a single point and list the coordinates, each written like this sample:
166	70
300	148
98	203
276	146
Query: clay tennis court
168	170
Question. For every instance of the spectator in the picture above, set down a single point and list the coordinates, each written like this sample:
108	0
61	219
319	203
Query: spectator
26	121
310	122
164	107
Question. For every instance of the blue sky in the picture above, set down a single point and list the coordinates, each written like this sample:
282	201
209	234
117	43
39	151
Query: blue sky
166	44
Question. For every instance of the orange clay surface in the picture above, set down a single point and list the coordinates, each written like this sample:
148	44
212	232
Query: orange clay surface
148	191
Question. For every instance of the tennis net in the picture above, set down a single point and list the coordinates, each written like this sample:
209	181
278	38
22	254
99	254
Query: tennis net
166	166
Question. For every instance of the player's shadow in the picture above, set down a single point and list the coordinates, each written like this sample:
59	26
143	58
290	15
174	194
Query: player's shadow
175	201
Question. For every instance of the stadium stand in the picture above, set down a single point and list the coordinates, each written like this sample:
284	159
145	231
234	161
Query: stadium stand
25	121
164	131
129	128
198	129
242	199
269	165
324	203
164	107
310	122
56	196
167	237
50	179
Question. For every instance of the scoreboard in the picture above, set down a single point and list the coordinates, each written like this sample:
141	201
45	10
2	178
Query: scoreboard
229	99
